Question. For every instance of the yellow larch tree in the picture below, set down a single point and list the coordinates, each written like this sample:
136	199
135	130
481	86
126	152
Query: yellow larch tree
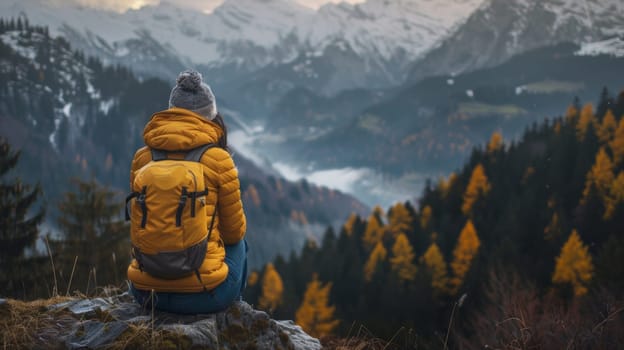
399	220
425	217
436	266
574	265
600	177
376	257
496	142
377	210
253	278
571	114
348	225
272	289
553	230
585	119
252	195
557	127
617	144
373	233
477	187
465	250
315	315
444	185
616	196
607	128
402	260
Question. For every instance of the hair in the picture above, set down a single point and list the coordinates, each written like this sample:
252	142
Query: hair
218	119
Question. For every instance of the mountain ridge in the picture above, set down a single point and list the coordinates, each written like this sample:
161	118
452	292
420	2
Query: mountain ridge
501	29
75	117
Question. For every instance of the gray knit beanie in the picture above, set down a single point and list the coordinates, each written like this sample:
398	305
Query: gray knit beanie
193	94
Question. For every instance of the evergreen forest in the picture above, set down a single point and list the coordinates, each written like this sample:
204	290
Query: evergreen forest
520	248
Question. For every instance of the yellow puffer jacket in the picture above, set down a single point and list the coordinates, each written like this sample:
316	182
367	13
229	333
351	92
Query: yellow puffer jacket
178	129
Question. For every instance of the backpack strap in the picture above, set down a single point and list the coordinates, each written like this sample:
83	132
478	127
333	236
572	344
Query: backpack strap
196	154
193	155
158	154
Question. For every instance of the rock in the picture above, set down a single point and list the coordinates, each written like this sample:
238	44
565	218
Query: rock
299	338
105	322
94	334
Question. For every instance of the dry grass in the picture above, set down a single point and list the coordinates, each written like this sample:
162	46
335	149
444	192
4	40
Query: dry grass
516	316
28	325
33	325
364	339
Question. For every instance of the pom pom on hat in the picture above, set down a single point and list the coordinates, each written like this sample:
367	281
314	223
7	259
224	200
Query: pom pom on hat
193	94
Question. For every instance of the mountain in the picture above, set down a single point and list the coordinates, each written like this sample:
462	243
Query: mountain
428	128
243	36
501	29
74	117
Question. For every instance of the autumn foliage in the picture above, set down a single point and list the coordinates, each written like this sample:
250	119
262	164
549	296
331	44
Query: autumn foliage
574	265
272	289
465	251
402	260
375	259
436	266
527	235
315	315
477	188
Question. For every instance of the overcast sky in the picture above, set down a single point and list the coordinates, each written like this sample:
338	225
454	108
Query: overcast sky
202	5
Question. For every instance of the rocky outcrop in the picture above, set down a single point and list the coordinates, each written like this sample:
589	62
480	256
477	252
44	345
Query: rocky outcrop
117	322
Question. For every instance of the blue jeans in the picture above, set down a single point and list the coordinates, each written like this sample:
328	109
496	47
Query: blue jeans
212	301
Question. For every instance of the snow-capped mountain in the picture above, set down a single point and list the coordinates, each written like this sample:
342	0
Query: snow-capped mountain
613	47
501	29
252	34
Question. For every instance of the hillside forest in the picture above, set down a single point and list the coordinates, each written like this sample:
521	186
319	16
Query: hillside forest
520	248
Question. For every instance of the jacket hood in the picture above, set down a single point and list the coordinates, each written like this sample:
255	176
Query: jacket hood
178	129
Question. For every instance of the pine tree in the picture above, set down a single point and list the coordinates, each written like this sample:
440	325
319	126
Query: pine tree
253	278
399	220
617	144
574	265
586	118
553	230
376	258
477	188
374	232
272	289
95	238
607	128
616	196
496	142
252	196
315	315
436	266
600	177
18	227
444	185
349	224
465	251
425	217
572	113
402	260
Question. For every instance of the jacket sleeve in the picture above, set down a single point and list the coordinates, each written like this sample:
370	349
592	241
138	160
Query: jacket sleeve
232	221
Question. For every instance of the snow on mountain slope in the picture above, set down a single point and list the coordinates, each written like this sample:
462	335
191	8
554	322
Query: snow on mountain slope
386	28
501	29
613	47
254	33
